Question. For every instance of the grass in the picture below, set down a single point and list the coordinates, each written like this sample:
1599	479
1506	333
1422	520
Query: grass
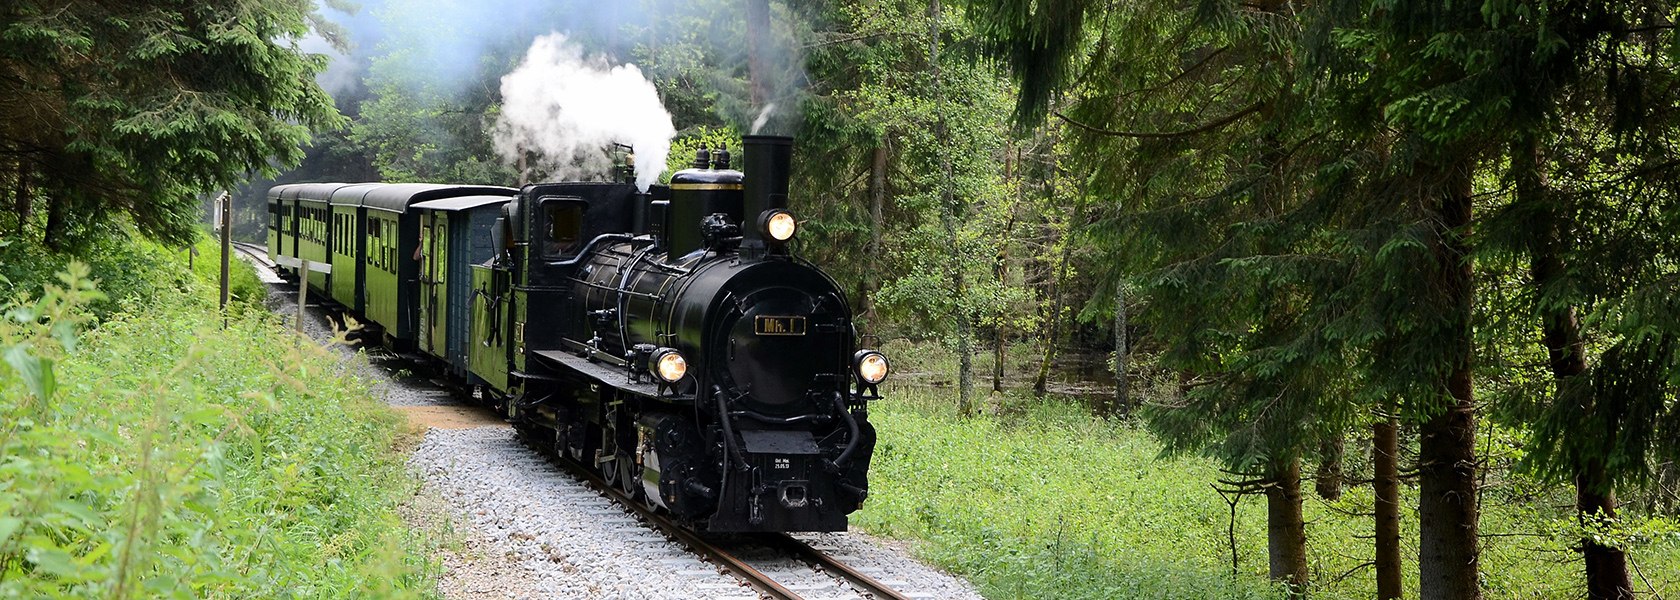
1051	506
1038	500
161	455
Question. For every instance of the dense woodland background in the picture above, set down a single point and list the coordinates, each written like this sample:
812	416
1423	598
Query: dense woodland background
1425	251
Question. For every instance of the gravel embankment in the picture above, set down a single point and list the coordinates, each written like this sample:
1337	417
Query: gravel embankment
565	539
512	525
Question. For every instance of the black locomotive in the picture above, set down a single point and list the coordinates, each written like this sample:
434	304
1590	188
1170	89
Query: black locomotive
670	340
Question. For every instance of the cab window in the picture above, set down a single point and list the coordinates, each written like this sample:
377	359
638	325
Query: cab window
562	226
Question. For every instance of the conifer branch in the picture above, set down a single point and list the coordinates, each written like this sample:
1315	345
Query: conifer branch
1214	125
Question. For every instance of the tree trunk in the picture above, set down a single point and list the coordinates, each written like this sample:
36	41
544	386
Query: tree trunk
1000	271
1000	333
999	351
1286	530
965	346
1385	454
1054	324
1607	570
953	215
21	196
758	68
1122	354
1449	553
1606	566
877	206
1666	500
1041	383
57	220
1329	480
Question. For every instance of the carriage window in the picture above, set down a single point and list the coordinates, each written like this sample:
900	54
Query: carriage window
373	242
562	226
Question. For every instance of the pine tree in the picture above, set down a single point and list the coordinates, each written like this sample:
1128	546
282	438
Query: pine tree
138	108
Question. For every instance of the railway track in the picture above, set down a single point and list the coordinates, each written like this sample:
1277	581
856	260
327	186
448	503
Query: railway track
765	584
256	252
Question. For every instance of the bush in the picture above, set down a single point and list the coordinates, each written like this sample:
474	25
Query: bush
165	456
131	273
245	291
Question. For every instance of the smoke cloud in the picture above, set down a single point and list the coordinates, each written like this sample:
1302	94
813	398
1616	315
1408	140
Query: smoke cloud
569	111
341	73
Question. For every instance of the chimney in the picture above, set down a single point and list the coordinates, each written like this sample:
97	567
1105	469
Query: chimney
766	161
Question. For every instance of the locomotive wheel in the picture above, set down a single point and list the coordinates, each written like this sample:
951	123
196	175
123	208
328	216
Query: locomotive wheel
610	472
629	481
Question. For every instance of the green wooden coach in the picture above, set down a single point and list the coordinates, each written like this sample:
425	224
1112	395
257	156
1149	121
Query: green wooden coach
371	235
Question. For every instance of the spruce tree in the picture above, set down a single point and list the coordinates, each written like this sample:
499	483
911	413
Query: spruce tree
137	108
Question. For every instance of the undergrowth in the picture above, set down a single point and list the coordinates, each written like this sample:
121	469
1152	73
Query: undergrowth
1036	499
161	455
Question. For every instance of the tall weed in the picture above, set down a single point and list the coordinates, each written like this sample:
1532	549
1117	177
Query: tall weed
161	455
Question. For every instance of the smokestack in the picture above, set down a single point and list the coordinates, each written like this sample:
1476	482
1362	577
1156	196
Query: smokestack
766	161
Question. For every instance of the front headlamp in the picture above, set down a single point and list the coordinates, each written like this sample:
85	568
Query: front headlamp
777	225
668	365
871	366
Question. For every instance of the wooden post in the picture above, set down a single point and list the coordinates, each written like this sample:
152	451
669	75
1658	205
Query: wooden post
303	293
225	206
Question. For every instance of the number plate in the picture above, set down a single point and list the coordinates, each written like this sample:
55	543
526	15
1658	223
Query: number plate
779	325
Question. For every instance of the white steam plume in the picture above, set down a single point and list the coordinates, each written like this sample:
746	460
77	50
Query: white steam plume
763	117
570	110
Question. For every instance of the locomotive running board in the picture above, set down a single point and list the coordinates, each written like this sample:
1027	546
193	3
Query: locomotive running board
611	377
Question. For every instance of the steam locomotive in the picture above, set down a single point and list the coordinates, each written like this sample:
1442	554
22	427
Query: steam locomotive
669	340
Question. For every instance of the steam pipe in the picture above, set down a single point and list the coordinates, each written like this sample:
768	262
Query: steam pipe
845	458
763	418
639	213
589	248
728	430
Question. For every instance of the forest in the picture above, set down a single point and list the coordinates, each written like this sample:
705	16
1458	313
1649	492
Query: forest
1403	279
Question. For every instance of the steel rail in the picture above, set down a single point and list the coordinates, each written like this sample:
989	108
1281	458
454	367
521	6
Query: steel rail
864	583
743	571
251	250
802	551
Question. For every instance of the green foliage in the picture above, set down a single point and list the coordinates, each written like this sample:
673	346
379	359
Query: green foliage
138	108
164	456
952	204
1046	502
419	132
1050	504
701	138
131	275
245	291
1040	39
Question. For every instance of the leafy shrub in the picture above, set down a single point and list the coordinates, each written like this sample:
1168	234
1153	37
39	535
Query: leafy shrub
245	291
165	456
129	273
